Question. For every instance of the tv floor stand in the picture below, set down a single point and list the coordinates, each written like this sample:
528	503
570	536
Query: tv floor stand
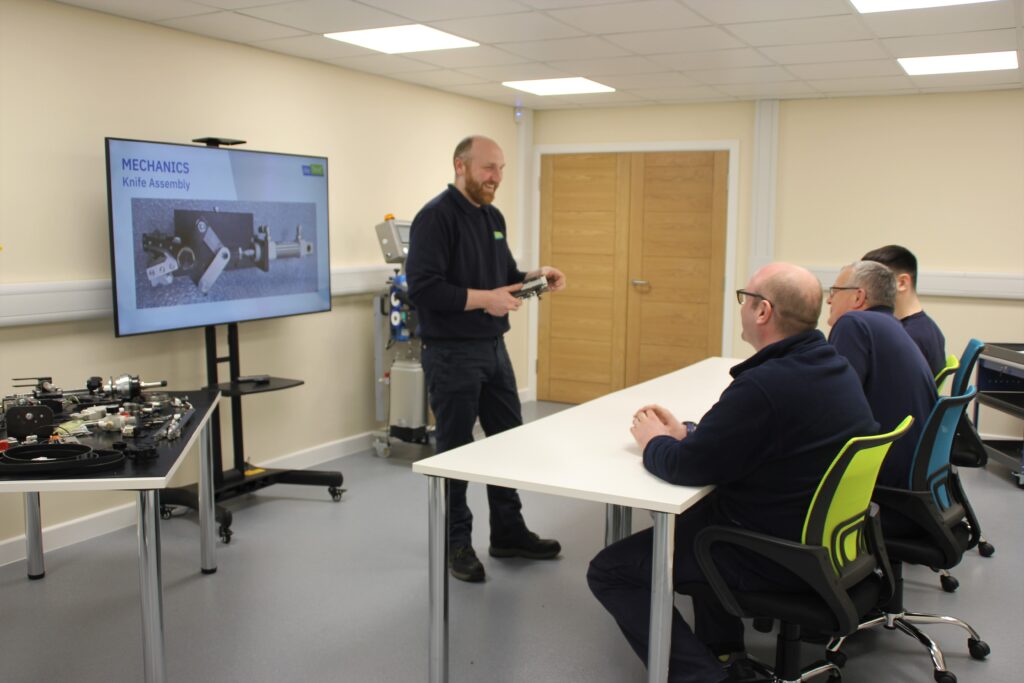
242	477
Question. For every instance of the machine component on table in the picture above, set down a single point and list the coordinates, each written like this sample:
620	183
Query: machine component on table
1000	383
205	244
401	393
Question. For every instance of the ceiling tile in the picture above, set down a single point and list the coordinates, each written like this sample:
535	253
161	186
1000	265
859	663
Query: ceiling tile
979	17
233	4
826	52
667	79
507	28
607	66
325	16
877	84
312	47
437	78
969	79
143	11
516	72
509	96
565	48
715	59
435	10
874	67
738	11
384	65
785	89
757	74
797	31
676	40
649	15
231	26
952	44
556	4
468	57
699	93
605	99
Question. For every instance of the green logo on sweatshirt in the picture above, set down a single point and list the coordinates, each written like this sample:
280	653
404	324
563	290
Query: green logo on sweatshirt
498	235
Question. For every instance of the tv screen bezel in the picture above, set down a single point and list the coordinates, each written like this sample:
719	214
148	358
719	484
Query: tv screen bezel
118	332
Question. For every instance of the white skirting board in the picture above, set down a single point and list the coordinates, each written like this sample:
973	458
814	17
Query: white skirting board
105	521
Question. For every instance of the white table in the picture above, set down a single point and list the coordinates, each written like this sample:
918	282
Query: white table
583	452
146	477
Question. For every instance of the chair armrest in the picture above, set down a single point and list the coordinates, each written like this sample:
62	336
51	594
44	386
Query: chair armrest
811	564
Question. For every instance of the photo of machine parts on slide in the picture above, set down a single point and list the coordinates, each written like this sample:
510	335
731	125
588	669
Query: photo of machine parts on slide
202	251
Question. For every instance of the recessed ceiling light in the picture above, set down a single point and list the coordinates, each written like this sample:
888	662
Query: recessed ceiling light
869	6
559	86
395	40
958	64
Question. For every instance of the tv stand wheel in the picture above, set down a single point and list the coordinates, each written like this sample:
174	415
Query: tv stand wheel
382	448
225	534
165	512
335	493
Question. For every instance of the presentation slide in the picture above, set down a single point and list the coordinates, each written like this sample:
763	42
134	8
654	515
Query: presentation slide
205	236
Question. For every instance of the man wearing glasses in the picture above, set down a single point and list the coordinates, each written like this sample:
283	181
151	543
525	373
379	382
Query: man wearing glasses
892	370
765	444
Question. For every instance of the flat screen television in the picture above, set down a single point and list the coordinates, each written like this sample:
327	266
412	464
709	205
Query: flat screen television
210	235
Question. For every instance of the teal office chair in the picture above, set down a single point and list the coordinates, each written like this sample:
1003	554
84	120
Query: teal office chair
840	557
946	525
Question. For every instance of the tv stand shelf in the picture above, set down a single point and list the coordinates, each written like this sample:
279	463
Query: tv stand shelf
245	388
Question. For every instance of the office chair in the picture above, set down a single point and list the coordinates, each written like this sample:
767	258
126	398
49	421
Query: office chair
935	502
840	556
952	363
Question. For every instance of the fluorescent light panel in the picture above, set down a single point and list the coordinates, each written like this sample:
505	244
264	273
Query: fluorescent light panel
870	6
958	64
395	40
559	86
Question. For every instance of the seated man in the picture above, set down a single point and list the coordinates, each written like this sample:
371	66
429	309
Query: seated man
893	372
766	445
922	329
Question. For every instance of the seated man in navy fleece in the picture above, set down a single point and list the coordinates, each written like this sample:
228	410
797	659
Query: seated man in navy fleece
892	370
909	311
766	445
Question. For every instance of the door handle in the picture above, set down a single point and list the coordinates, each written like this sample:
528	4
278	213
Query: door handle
641	283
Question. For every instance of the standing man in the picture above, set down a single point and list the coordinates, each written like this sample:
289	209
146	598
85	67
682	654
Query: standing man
893	372
462	279
766	445
909	311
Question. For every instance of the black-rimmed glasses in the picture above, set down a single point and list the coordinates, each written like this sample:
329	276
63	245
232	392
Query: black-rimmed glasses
742	294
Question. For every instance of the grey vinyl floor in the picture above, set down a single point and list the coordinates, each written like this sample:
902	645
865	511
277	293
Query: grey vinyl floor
312	590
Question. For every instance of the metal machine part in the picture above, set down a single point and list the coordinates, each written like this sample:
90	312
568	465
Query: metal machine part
534	287
393	236
205	244
128	386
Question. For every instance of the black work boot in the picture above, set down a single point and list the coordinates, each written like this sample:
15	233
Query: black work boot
527	545
464	565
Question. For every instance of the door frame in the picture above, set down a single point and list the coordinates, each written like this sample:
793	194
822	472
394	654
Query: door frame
531	227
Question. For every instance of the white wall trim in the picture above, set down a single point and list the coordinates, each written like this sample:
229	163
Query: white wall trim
112	519
763	185
36	303
957	285
732	213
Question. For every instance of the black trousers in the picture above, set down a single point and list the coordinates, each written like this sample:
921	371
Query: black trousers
466	380
620	578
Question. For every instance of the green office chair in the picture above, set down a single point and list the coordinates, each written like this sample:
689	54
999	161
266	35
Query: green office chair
935	502
840	557
952	363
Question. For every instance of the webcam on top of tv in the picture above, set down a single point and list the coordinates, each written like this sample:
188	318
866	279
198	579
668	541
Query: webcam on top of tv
205	244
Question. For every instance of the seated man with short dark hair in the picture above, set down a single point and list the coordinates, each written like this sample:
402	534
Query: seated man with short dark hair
894	373
909	311
766	444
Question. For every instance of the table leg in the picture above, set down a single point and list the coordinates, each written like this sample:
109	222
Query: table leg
618	523
149	577
662	595
33	535
207	512
438	577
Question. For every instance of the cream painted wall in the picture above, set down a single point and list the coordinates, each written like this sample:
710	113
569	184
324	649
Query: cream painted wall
692	123
70	77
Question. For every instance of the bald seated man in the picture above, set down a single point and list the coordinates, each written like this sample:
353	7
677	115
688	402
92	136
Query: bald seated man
765	445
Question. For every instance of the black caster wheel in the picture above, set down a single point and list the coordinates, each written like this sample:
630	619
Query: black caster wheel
165	512
986	549
335	493
944	677
225	534
979	649
949	583
835	675
838	658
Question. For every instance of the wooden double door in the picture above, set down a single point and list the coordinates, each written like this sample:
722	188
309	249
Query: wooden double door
641	239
